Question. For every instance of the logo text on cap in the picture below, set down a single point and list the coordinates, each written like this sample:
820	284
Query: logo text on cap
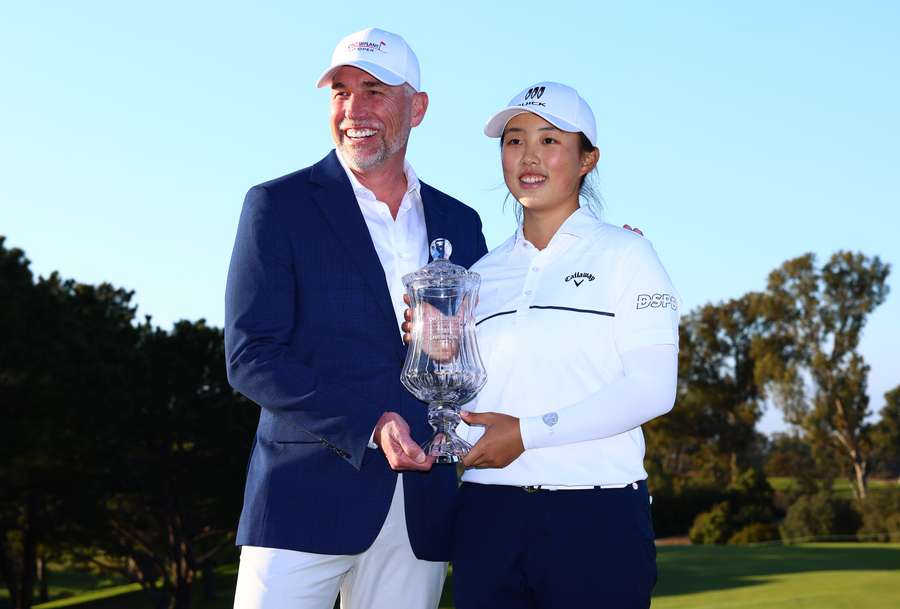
365	45
534	93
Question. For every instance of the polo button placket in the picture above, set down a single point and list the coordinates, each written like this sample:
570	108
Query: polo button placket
529	280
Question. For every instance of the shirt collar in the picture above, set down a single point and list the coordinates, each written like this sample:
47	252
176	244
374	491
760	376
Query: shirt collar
579	224
412	180
582	221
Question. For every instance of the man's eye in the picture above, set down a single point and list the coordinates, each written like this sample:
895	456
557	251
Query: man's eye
549	140
511	141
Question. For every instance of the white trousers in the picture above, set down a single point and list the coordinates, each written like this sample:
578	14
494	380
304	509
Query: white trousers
386	576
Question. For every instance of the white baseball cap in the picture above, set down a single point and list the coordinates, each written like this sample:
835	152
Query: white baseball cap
558	104
384	55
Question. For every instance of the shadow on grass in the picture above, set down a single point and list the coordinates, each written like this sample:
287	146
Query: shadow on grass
225	580
682	570
76	589
690	569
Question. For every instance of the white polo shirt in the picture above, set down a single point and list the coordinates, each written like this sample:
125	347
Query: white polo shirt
552	324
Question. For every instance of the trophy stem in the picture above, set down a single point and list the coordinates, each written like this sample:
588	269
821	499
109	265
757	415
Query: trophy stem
445	446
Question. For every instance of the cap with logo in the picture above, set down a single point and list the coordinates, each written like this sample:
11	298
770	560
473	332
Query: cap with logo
558	104
384	55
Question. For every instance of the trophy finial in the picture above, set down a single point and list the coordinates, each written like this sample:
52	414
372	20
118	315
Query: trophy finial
441	249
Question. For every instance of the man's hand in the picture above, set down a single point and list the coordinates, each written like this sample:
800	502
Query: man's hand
634	229
402	452
406	326
445	330
501	443
441	331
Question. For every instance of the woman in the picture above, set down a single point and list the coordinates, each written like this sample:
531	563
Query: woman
578	328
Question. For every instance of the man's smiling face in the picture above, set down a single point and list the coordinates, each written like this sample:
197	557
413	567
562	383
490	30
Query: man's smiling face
370	121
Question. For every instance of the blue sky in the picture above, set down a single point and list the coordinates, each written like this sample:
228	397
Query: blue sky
736	135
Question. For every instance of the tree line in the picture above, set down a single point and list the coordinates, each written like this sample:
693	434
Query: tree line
123	449
122	446
793	346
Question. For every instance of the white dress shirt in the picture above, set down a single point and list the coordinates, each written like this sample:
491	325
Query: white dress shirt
580	343
401	244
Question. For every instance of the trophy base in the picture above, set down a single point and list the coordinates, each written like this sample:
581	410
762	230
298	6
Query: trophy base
445	446
448	459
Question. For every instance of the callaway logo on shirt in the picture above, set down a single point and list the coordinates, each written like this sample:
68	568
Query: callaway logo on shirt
578	278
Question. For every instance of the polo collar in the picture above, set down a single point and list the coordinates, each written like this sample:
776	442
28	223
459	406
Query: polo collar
580	224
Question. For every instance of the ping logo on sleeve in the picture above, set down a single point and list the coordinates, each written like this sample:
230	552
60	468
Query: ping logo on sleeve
657	301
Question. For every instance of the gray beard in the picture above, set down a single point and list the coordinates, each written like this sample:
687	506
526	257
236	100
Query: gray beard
362	163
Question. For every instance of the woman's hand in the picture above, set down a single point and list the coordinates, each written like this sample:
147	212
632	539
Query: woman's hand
501	443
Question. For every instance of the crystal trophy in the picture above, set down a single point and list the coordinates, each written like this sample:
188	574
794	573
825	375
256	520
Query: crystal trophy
443	366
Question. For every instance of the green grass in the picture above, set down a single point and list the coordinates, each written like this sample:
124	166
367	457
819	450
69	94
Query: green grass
842	486
83	591
814	576
808	576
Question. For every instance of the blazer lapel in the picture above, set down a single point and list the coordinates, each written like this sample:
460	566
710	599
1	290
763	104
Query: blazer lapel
338	204
435	216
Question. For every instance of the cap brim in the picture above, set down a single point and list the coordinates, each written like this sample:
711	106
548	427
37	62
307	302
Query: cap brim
385	76
497	123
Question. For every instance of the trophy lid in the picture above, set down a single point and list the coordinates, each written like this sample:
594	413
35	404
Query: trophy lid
440	271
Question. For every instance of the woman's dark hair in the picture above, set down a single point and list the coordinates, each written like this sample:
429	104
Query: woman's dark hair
586	190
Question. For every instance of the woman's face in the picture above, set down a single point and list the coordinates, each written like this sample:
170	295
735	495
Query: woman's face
543	165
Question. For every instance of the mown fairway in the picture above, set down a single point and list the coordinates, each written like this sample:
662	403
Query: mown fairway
818	576
842	486
814	576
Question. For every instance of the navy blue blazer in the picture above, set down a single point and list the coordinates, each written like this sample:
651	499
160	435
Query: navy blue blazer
311	336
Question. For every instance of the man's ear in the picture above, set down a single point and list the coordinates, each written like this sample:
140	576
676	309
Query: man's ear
419	107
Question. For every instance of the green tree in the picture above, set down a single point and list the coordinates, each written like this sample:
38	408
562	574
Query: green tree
58	368
711	431
820	515
789	454
881	516
886	436
746	515
18	535
120	443
176	491
810	357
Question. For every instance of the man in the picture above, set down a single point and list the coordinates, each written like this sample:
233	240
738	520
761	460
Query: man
313	310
